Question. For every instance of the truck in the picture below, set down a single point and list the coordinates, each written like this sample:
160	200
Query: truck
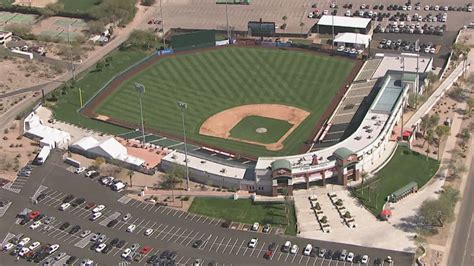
43	155
118	186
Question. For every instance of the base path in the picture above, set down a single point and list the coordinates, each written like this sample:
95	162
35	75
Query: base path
220	124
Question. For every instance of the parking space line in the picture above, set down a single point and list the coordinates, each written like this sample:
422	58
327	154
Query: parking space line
187	214
173	234
308	260
226	245
176	212
194	238
233	246
213	243
185	238
212	220
163	231
164	209
300	260
237	253
142	227
219	245
246	249
294	257
253	250
170	209
315	260
168	232
186	262
157	209
181	235
151	206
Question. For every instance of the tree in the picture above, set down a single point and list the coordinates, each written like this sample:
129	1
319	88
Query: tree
440	211
465	134
20	30
147	2
456	168
175	176
96	26
459	50
434	121
142	39
301	26
424	124
55	8
432	77
430	139
442	132
98	162
99	66
470	105
130	174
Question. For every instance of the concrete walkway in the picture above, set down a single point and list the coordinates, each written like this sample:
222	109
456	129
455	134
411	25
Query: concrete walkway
440	91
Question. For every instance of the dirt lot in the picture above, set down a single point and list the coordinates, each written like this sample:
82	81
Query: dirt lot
37	3
15	151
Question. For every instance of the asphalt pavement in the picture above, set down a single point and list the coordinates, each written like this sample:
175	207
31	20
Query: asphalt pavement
172	229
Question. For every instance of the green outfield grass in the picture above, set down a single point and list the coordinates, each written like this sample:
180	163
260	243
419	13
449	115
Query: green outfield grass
79	5
246	129
216	80
404	167
67	105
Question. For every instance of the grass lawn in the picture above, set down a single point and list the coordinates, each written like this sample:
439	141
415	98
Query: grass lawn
244	211
65	108
6	2
246	129
79	5
405	166
216	80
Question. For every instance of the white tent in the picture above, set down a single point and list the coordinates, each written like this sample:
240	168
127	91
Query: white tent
350	39
48	136
109	148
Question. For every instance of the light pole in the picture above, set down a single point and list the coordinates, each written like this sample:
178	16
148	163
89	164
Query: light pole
141	90
183	107
162	26
70	54
227	21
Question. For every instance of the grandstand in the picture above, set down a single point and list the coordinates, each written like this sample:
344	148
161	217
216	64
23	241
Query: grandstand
368	69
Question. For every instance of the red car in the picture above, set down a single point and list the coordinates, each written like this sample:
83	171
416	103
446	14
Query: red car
145	250
90	205
33	215
268	255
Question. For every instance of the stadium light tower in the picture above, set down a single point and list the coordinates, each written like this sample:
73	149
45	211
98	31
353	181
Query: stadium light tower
141	90
183	107
162	26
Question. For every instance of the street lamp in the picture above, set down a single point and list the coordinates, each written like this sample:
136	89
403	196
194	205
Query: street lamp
183	107
141	90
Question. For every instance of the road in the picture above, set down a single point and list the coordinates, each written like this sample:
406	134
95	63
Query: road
140	21
173	229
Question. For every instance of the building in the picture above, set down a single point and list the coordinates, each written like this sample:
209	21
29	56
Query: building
5	37
110	149
47	136
355	40
342	24
365	150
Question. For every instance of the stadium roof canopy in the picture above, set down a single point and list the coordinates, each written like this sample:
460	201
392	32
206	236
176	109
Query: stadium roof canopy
340	21
354	38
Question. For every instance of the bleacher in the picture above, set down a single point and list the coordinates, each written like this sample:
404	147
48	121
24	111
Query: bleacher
368	70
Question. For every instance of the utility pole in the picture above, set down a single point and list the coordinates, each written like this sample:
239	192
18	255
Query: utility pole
141	90
70	54
403	98
227	20
417	48
183	107
162	26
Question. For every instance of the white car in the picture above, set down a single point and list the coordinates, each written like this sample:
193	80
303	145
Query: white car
35	245
64	206
148	231
98	208
294	249
107	180
35	225
350	257
7	246
95	216
23	251
287	246
325	12
307	250
24	241
79	170
53	248
60	256
126	252
253	242
85	233
91	172
131	228
100	247
365	259
255	226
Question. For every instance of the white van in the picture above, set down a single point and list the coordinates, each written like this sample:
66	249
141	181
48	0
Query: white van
119	186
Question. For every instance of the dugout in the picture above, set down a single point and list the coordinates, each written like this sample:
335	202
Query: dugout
193	40
342	24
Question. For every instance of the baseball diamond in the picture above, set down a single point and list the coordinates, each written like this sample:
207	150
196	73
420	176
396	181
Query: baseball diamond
213	80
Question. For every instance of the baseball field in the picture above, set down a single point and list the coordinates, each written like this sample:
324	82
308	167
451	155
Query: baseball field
247	100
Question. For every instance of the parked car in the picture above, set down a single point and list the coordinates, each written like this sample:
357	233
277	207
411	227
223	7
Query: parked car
64	206
95	216
255	227
131	228
75	229
126	217
294	249
307	250
64	226
85	233
253	242
112	223
35	225
197	243
266	228
98	208
68	198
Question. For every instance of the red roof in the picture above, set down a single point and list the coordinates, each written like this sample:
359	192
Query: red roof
406	133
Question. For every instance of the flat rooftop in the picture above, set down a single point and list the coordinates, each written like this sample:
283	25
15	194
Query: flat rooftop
342	21
207	166
395	62
391	91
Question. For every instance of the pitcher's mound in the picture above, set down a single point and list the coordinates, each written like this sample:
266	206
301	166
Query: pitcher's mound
261	130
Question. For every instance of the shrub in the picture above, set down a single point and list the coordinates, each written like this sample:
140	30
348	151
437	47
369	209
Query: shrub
147	2
347	215
324	219
339	202
185	198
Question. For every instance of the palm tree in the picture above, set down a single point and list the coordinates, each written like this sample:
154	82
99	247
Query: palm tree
130	174
175	176
442	132
430	139
284	22
424	124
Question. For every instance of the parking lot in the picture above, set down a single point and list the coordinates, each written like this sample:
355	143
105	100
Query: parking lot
172	229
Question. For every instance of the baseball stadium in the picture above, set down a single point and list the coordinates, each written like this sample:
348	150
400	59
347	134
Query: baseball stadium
258	116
